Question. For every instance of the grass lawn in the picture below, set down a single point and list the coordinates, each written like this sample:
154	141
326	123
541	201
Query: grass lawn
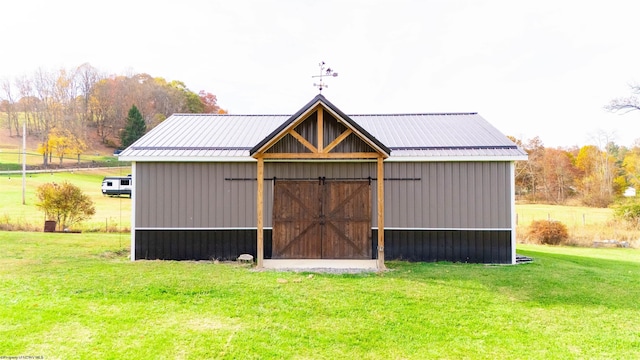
114	213
77	296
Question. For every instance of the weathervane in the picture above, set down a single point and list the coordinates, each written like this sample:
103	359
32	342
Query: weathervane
323	73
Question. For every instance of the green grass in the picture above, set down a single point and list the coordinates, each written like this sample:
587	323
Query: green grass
114	213
76	296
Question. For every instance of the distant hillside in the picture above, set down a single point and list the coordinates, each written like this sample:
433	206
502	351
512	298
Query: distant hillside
94	145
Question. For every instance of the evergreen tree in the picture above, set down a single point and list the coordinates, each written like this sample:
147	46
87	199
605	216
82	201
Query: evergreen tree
134	129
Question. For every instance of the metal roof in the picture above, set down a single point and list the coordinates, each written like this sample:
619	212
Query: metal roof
418	137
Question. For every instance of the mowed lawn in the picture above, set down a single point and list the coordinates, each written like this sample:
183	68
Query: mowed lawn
77	296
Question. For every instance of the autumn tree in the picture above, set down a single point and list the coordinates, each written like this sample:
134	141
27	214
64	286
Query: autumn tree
82	99
27	102
9	107
63	142
87	77
558	175
65	203
134	129
60	142
631	166
529	173
210	103
598	172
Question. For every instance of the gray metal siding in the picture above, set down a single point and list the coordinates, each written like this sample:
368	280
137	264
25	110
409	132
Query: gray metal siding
420	195
195	195
449	195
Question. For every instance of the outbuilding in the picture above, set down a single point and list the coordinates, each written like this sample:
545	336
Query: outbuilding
320	185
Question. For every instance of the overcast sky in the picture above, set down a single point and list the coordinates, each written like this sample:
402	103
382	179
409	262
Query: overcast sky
532	68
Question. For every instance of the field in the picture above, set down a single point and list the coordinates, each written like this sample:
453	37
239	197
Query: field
585	224
112	214
76	296
569	215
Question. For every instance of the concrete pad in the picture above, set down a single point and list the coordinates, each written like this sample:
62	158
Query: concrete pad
318	264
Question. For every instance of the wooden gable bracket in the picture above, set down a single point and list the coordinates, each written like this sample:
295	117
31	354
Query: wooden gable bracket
321	151
303	141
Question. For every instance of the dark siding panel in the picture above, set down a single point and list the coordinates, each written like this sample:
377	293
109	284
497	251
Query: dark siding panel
198	244
471	246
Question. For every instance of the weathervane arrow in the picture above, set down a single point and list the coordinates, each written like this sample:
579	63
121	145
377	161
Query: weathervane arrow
324	73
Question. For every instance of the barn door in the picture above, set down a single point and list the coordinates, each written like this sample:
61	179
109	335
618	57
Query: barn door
296	220
322	220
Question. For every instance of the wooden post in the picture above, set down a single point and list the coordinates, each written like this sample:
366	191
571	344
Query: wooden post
260	213
320	130
381	214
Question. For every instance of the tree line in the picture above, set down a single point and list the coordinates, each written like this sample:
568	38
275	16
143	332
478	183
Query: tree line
62	107
593	175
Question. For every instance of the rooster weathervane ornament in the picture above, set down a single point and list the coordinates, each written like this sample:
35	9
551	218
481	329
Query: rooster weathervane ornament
324	73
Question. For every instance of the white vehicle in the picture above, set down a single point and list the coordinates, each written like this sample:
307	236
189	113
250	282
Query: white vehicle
117	185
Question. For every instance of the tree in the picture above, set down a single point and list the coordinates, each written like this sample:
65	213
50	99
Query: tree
65	203
209	101
83	98
631	165
557	175
529	173
62	142
8	105
598	170
626	104
134	129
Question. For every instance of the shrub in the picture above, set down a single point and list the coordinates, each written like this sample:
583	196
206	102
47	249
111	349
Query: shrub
548	232
64	203
597	200
629	212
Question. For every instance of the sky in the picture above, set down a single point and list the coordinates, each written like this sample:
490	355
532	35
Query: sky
541	68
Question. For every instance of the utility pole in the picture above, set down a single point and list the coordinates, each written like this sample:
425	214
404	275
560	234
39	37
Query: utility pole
24	161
